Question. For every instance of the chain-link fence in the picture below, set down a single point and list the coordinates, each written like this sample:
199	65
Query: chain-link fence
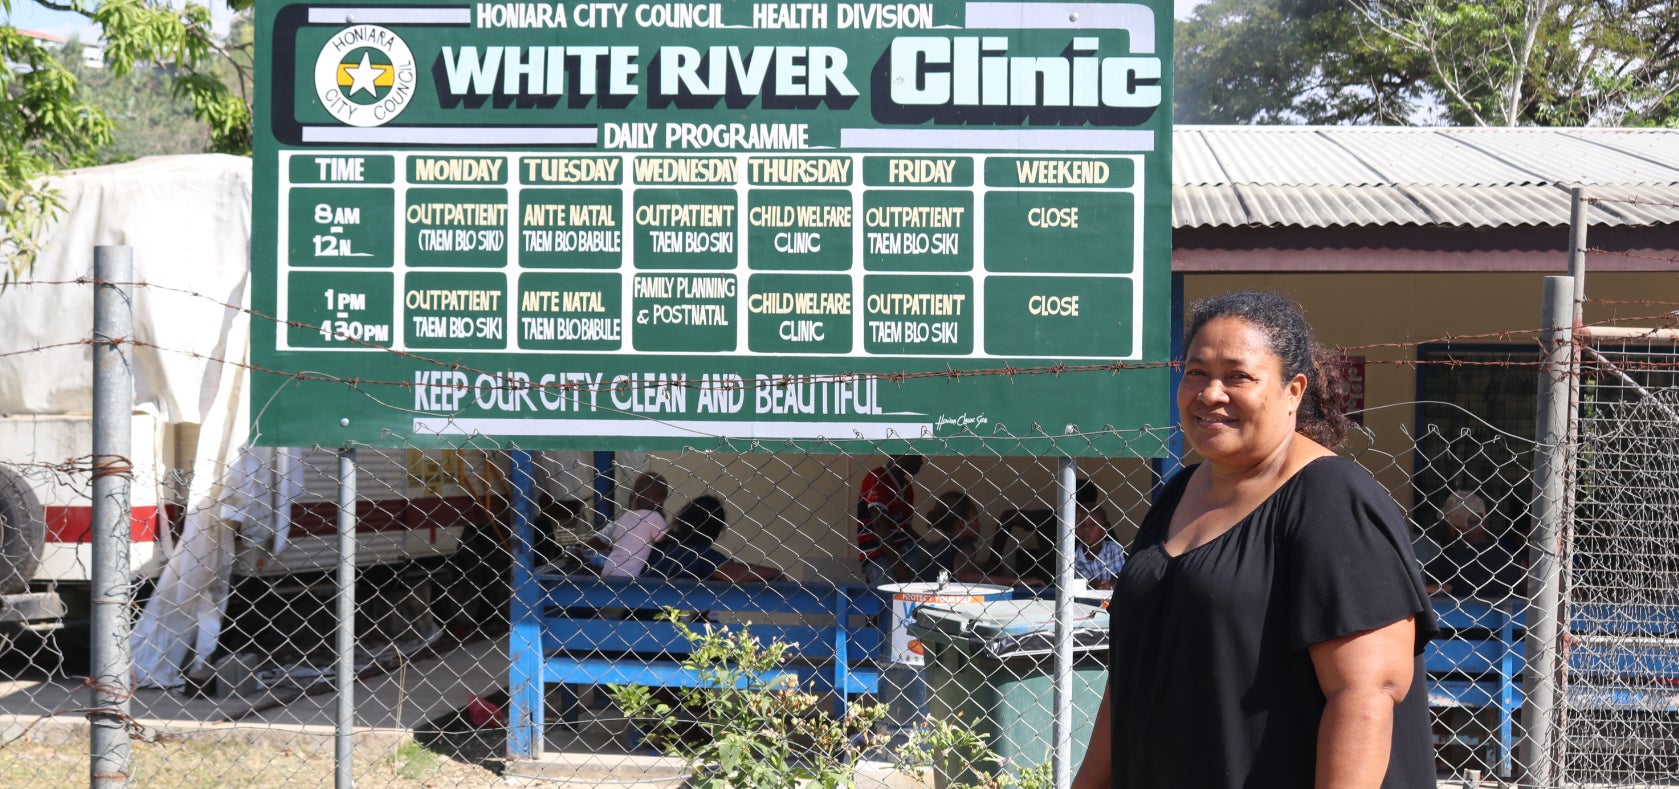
561	616
1621	711
759	538
769	539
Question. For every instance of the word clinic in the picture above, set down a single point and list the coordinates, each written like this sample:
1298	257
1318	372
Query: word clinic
975	71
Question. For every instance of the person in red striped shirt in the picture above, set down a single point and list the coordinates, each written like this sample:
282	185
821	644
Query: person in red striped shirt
885	508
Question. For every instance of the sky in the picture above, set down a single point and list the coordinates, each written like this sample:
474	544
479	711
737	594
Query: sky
27	15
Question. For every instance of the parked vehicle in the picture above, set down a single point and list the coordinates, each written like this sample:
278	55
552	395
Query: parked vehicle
187	219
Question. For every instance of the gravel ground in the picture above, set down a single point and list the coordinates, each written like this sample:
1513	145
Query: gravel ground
212	765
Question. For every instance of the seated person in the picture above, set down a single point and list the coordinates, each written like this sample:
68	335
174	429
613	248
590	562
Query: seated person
1472	562
1028	536
1086	495
1098	556
629	540
688	553
948	547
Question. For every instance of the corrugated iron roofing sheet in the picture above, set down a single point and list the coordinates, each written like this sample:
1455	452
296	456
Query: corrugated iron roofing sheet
1634	205
1199	205
1563	158
1501	205
1365	206
1193	163
1329	206
1274	155
1349	177
1657	145
1430	158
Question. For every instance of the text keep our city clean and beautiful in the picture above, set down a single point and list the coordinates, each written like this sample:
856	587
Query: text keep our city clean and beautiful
519	391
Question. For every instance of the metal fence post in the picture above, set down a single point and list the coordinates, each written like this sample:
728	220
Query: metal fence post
525	697
1061	758
113	412
344	748
1550	483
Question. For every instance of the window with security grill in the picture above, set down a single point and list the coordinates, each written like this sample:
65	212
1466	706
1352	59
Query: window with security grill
1475	424
1626	547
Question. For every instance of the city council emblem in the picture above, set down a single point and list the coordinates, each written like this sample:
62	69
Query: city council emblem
365	75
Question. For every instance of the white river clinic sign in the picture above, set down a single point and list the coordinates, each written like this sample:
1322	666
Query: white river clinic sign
654	225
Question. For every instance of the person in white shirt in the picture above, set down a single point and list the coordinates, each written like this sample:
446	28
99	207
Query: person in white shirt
634	533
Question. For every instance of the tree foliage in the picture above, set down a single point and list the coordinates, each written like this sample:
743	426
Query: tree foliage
1287	61
1464	62
1545	62
48	120
147	118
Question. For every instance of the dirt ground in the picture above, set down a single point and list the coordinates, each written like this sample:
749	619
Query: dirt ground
211	765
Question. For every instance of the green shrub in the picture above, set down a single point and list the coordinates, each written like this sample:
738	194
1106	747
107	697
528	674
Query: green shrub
750	725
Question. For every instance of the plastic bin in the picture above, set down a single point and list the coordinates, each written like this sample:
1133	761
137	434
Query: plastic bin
902	688
991	666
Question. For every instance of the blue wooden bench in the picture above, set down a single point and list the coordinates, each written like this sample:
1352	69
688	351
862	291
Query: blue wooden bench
1624	657
1475	662
560	639
1618	656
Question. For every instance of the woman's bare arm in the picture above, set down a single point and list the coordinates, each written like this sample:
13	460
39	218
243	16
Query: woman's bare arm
1363	676
1096	772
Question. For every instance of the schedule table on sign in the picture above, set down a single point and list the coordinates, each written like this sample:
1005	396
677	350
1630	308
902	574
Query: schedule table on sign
964	256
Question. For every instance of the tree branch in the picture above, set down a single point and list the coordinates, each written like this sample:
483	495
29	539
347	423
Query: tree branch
73	7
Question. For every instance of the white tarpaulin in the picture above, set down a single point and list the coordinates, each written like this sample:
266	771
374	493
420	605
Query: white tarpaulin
188	220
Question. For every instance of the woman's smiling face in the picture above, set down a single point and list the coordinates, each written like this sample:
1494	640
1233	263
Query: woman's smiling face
1237	405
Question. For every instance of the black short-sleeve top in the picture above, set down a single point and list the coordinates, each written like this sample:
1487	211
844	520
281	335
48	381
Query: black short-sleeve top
1211	681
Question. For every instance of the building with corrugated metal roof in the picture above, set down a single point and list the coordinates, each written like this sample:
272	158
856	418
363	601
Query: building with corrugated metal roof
1422	251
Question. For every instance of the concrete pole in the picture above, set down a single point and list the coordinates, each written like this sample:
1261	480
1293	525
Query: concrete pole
111	669
1577	252
1550	501
343	742
1061	759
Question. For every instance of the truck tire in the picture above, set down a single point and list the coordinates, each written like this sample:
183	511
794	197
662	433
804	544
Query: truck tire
23	531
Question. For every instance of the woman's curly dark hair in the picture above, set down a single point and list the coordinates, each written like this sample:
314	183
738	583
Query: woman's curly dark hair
1321	416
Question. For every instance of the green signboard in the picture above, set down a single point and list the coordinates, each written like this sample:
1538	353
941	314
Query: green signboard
653	225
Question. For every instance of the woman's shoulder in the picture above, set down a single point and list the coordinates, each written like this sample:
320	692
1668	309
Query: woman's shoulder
1333	472
1339	486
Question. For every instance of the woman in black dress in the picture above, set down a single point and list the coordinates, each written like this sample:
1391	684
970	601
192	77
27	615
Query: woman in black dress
1268	626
